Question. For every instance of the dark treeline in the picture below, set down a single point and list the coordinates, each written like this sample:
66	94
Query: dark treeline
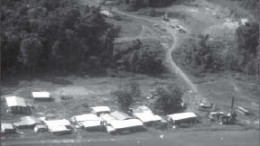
244	56
137	4
54	35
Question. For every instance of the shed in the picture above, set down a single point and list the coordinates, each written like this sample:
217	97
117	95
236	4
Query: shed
120	116
7	128
17	104
27	122
182	117
100	110
41	95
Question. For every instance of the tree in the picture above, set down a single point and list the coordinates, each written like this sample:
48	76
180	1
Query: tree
168	100
124	99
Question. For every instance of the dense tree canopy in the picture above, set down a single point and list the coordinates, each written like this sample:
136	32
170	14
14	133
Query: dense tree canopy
168	99
242	57
58	35
140	57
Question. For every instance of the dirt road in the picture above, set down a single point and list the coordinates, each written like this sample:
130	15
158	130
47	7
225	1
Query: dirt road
173	67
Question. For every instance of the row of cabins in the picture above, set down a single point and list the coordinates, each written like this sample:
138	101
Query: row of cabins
101	118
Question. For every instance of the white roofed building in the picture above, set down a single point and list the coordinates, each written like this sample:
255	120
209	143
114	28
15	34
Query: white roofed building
120	116
88	121
100	110
7	128
41	95
147	118
146	115
58	126
127	125
27	122
17	104
178	118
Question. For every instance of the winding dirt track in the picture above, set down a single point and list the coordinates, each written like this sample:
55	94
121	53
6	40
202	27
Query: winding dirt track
173	66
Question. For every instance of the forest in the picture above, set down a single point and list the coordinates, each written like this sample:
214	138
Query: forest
241	56
60	35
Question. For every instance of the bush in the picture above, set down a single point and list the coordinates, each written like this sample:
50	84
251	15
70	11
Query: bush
168	100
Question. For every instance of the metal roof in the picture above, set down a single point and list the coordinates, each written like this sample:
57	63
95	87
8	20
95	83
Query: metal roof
85	117
122	124
142	109
107	118
88	124
41	95
147	117
182	116
58	128
5	126
99	109
62	122
27	121
13	101
120	116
